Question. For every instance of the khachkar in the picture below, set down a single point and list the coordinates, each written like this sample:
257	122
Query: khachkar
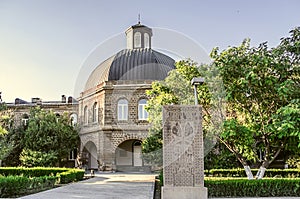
183	157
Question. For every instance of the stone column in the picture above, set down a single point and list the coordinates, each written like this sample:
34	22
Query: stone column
183	158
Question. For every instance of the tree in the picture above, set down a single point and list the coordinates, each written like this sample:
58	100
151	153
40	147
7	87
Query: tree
262	91
5	126
177	89
48	139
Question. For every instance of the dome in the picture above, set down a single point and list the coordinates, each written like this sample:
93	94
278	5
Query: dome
132	64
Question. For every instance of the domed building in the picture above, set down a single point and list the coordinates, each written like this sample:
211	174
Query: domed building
112	111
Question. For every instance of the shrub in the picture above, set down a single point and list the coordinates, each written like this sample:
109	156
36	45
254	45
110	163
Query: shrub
252	188
70	176
31	172
13	186
17	181
239	172
31	158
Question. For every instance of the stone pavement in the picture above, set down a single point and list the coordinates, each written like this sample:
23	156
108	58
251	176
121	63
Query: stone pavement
106	186
263	198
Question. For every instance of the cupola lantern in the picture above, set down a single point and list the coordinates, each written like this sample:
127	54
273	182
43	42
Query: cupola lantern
138	36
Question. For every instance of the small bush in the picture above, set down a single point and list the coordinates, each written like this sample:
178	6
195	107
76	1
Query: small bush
70	176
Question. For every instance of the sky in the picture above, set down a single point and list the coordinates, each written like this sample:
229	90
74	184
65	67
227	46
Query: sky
46	45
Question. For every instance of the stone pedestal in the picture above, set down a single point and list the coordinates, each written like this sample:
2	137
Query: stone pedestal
183	158
184	192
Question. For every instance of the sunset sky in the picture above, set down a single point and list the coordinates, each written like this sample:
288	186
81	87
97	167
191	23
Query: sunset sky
46	45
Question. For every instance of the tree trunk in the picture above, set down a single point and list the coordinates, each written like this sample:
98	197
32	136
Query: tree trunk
248	172
260	173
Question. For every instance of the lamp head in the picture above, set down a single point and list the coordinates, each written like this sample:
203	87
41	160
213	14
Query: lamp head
197	81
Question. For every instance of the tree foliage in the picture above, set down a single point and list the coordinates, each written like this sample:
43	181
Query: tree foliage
262	93
5	126
48	139
177	89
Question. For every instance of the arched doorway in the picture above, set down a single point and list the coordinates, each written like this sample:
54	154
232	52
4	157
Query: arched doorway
89	156
129	155
137	154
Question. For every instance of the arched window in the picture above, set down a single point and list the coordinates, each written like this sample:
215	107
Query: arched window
95	112
73	118
85	115
146	40
122	109
142	113
137	40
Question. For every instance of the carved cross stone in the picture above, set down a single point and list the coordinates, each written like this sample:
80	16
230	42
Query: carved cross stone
183	159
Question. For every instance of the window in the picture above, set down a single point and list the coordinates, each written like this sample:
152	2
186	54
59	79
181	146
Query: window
137	40
146	40
85	115
25	119
122	109
73	154
73	118
57	116
95	112
142	113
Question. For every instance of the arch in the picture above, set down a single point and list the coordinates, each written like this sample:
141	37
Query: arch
129	153
73	118
142	113
85	115
137	40
122	110
90	156
95	112
118	138
146	40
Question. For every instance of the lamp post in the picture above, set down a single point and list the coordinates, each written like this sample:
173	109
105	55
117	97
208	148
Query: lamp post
195	82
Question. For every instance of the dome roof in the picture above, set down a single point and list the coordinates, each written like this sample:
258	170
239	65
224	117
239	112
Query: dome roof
132	64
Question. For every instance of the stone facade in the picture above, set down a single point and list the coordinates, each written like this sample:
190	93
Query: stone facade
107	132
21	110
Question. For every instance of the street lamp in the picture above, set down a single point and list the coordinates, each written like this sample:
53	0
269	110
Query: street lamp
195	82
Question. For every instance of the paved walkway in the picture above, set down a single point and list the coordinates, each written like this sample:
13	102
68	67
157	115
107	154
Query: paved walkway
106	186
263	198
112	186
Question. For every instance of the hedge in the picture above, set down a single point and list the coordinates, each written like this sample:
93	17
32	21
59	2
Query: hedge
14	186
252	188
17	181
31	172
70	176
239	172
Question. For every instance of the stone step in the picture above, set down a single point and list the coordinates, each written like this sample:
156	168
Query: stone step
142	169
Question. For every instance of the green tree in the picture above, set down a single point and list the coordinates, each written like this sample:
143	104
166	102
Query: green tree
5	126
48	139
15	136
262	90
177	89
